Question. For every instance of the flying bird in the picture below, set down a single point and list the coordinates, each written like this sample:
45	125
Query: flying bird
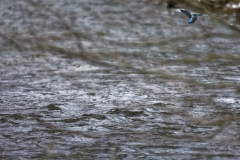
192	17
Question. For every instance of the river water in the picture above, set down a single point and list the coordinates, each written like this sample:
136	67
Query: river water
108	79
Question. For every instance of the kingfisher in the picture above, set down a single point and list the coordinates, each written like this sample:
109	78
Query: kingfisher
192	17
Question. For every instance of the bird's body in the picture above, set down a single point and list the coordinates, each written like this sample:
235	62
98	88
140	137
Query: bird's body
192	17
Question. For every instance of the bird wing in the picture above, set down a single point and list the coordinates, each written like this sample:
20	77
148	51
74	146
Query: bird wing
187	13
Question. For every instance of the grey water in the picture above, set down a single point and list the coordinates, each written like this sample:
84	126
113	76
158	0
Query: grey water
108	79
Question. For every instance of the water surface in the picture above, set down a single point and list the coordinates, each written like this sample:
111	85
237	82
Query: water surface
104	79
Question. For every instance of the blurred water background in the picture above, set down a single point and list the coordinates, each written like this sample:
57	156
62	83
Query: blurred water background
110	79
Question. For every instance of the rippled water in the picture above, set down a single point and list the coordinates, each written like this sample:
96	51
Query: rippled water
105	79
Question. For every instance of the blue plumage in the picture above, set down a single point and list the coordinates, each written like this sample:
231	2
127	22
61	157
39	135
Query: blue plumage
192	17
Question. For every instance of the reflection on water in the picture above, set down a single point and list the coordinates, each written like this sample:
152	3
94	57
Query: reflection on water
104	79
